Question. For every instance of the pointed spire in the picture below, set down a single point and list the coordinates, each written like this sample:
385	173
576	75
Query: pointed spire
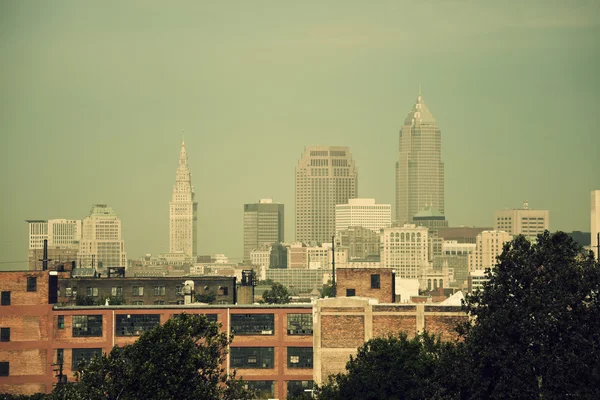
183	154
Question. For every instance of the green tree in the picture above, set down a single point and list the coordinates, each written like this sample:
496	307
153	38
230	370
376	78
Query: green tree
535	330
328	290
208	298
278	294
181	359
390	368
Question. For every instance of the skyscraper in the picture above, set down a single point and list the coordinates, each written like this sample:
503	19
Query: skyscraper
522	221
325	176
419	170
595	221
101	240
183	211
263	225
363	212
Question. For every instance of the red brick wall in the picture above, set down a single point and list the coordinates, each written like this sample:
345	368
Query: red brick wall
16	283
384	325
359	279
342	331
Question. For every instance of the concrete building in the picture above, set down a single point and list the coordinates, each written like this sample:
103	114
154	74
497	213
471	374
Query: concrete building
489	246
455	258
102	244
363	212
183	211
477	278
595	222
263	225
461	234
298	281
63	238
261	257
522	221
406	250
361	242
325	176
419	170
431	219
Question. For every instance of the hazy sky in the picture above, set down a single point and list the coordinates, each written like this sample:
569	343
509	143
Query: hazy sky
94	96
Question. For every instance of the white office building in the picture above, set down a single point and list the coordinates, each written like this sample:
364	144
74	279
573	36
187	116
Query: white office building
522	221
60	233
363	212
405	249
101	240
489	245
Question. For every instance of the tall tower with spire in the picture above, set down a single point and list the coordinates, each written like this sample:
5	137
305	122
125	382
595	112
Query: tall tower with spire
183	211
419	170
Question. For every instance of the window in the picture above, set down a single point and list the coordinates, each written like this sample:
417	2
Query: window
4	334
5	299
350	292
116	291
138	291
263	389
375	281
87	325
92	292
68	292
138	303
159	302
81	357
300	357
252	357
209	317
223	290
159	290
179	290
300	324
253	324
60	356
135	324
61	322
296	389
32	284
4	367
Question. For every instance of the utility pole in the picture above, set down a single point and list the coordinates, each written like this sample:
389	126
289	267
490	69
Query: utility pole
597	246
333	288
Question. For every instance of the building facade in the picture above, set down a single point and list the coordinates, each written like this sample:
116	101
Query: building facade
522	221
102	244
263	225
183	211
63	238
488	247
363	212
595	222
419	170
406	250
361	242
325	176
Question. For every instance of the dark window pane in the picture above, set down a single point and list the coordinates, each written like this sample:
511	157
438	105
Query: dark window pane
31	284
300	388
135	324
5	299
350	292
61	322
81	357
87	325
253	324
262	389
375	281
4	367
252	357
299	324
4	334
300	357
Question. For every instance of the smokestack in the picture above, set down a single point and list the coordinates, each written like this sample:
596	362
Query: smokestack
45	260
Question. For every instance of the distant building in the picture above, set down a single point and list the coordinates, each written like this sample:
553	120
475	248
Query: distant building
582	238
362	212
522	221
419	170
263	225
462	234
595	221
430	218
101	241
261	257
489	246
298	281
183	211
455	258
361	242
477	278
406	250
325	176
63	238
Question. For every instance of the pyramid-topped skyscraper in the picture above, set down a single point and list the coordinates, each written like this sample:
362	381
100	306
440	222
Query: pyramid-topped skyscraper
183	212
419	170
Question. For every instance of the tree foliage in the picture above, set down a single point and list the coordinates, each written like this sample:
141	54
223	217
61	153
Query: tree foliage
536	330
181	359
278	294
207	298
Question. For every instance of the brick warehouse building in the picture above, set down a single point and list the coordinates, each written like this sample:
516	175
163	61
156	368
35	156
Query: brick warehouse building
272	348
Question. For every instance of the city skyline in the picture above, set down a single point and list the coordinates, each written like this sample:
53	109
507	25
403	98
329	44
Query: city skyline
92	101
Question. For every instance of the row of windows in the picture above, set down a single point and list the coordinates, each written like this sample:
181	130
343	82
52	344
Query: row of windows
264	357
136	324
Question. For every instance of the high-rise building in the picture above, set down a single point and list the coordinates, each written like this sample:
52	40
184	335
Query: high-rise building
183	211
325	176
363	212
63	238
406	250
489	246
101	240
419	170
263	225
595	221
522	221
